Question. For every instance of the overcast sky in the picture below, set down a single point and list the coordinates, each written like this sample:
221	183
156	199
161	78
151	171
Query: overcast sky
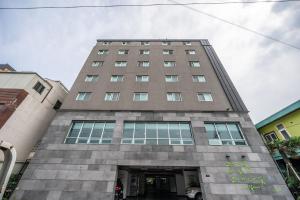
56	43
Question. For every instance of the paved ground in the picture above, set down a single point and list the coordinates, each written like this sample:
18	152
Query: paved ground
158	197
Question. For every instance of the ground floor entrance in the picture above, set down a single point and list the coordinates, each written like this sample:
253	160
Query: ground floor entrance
157	183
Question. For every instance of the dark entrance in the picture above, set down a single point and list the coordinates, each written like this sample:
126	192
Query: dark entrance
153	183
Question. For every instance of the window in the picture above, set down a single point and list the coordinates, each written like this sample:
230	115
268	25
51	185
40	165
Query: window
174	96
91	78
190	52
204	96
39	87
103	52
106	43
142	78
97	63
224	134
157	133
270	137
165	43
168	52
57	105
194	64
199	78
143	63
83	96
145	43
112	96
125	43
283	131
90	132
171	78
145	52
120	63
169	63
187	43
140	96
116	78
123	51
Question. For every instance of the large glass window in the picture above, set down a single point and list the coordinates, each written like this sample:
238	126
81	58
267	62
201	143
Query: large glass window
283	131
169	63
199	78
204	96
142	78
168	51
91	78
145	52
143	64
112	96
171	78
90	132
103	52
120	63
123	51
116	78
194	63
97	63
140	96
174	96
224	134
157	133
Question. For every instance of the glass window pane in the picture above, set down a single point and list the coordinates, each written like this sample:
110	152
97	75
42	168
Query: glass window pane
187	141
126	141
128	130
94	141
223	132
240	142
163	141
162	129
227	142
211	131
108	130
106	141
75	130
82	140
235	132
151	130
138	141
86	130
70	141
139	130
97	130
175	142
151	141
174	130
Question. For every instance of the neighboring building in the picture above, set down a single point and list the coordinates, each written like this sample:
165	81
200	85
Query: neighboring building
28	104
158	116
6	68
282	125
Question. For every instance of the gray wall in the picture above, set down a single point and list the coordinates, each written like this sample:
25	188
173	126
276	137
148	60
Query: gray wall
78	171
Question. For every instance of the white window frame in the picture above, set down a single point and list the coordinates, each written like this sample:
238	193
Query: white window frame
97	64
83	96
123	51
168	51
187	43
169	63
171	78
103	52
91	78
207	96
171	96
144	52
116	78
142	78
144	64
190	52
198	78
194	64
112	96
137	96
121	64
283	129
269	135
165	43
145	43
218	141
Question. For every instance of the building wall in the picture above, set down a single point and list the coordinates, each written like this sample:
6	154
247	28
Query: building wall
156	87
291	122
28	123
79	171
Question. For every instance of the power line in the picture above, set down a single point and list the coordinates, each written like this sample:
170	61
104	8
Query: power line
238	25
146	5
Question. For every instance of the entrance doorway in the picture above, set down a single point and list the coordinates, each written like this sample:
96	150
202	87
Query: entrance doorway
156	183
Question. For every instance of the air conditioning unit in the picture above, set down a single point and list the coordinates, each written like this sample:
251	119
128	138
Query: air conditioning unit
214	142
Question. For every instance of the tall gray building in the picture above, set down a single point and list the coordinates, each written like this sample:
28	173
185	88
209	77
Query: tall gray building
157	117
